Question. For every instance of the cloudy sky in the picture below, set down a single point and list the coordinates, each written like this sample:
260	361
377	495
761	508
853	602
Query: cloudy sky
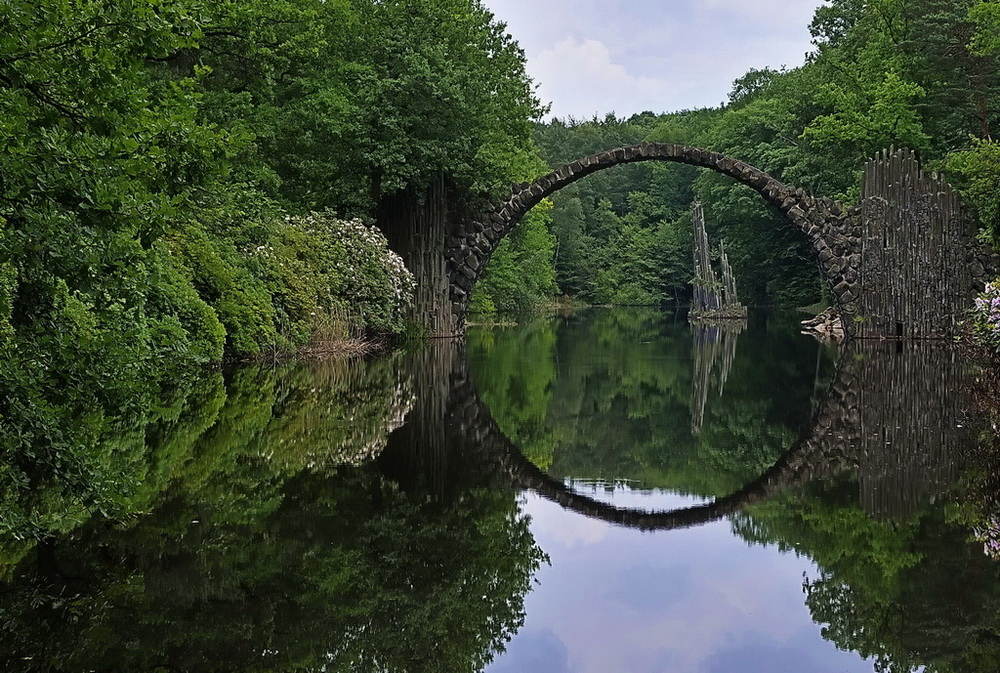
625	56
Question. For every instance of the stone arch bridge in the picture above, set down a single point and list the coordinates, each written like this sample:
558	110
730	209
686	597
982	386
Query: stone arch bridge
902	263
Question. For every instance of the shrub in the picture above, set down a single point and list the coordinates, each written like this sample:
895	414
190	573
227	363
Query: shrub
182	324
221	275
985	321
321	267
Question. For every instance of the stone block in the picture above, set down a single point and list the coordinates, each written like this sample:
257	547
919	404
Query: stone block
841	289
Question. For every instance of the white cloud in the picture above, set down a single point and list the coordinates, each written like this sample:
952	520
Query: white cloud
626	56
551	525
581	78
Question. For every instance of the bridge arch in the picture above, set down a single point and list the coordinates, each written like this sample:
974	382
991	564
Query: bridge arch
832	230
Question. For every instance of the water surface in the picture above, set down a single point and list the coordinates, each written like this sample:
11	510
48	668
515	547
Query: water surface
607	491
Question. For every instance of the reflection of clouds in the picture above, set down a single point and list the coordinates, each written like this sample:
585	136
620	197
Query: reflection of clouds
763	655
620	494
648	588
534	652
735	594
687	601
549	522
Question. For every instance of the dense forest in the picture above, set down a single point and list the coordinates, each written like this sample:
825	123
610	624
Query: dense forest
188	180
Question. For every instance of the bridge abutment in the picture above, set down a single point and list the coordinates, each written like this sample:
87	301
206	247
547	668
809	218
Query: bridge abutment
921	265
417	226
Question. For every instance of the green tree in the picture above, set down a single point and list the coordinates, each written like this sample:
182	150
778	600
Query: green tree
521	273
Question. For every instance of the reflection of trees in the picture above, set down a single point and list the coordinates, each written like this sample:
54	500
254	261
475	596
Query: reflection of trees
321	412
618	397
899	579
258	543
344	573
519	372
910	594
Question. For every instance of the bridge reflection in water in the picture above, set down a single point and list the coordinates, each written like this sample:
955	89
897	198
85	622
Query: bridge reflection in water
893	414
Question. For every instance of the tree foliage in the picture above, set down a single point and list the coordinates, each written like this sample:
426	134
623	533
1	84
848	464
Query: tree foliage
253	532
153	153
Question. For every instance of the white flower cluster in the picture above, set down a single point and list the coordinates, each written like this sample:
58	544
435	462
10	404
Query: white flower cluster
374	276
265	251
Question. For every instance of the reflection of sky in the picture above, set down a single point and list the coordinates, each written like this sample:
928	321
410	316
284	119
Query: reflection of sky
689	601
621	495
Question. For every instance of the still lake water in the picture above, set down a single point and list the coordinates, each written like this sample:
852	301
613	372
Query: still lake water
608	491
